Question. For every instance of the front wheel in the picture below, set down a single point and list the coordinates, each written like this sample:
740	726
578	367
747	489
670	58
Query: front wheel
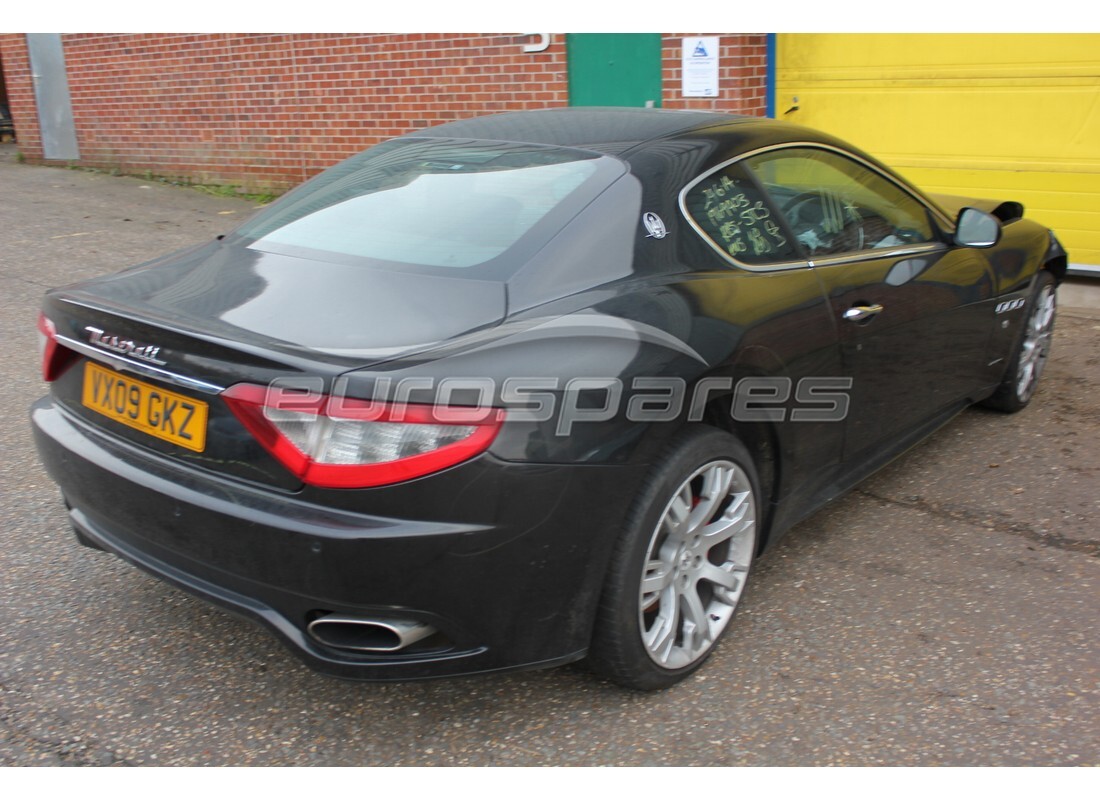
1022	376
681	564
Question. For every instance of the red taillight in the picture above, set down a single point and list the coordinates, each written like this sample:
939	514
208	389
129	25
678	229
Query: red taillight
343	443
55	358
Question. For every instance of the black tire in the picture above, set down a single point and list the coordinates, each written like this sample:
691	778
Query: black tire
665	576
1032	348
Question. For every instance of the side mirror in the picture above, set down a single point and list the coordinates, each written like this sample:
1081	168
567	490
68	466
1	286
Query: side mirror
975	228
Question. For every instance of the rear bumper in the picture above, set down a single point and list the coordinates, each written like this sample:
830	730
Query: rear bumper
511	578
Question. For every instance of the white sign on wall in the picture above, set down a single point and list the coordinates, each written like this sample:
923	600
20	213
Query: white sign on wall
699	67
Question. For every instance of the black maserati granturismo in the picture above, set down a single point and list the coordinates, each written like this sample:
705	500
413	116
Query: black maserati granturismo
527	389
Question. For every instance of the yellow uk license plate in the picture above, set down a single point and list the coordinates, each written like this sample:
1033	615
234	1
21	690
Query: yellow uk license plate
166	415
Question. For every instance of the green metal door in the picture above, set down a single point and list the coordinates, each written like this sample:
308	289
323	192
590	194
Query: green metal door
614	69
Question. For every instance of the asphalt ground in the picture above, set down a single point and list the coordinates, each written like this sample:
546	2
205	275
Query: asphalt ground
943	613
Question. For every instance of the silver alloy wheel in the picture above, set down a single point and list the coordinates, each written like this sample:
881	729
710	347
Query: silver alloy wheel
696	564
1036	344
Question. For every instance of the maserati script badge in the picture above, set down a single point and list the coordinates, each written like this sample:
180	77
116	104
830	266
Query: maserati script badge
124	346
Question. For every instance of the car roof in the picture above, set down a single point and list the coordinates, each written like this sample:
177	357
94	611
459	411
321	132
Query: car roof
609	130
628	132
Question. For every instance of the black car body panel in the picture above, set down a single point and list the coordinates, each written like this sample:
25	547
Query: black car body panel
613	287
284	560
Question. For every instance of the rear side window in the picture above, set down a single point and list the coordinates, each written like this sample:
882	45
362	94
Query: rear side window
729	210
431	203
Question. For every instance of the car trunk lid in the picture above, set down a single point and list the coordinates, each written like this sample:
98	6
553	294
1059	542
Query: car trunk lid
150	349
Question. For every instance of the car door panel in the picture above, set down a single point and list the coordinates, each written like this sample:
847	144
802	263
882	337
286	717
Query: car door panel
924	351
912	311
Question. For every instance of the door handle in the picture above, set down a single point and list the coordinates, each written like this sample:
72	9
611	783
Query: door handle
860	313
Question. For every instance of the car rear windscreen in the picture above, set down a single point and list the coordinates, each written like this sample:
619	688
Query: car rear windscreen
434	203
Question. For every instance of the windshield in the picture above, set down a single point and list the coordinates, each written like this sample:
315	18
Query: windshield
433	202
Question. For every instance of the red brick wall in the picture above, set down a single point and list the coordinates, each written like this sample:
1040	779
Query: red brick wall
268	111
742	74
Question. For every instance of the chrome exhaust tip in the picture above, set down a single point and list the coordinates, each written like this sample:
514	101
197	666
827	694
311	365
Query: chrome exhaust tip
347	632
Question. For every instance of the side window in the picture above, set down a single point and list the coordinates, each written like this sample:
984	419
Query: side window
732	213
835	205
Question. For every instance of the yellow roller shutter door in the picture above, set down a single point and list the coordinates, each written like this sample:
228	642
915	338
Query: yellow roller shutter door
1006	116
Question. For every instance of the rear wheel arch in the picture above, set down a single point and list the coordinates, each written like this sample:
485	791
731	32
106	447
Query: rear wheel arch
761	440
680	561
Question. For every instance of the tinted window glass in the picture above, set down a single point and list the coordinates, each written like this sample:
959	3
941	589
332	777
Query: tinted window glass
836	205
437	203
732	213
